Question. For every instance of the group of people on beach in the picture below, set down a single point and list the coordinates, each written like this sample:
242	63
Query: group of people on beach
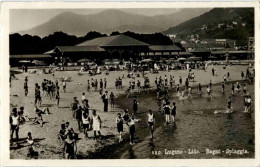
91	121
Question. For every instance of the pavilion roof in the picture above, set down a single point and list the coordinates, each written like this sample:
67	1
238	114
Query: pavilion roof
117	40
165	48
29	56
79	49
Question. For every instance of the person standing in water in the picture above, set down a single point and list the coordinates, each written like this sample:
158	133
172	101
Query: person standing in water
238	87
233	88
135	106
173	112
70	147
245	104
209	91
180	80
131	124
199	88
119	124
178	90
244	89
112	100
229	103
223	87
167	109
151	122
249	100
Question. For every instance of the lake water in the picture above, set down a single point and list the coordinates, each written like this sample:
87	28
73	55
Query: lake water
197	128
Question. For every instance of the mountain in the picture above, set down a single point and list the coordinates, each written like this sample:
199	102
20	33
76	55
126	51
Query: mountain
112	20
214	16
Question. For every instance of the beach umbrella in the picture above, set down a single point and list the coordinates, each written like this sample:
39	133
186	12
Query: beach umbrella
24	61
212	57
146	60
181	59
38	62
194	58
83	60
106	60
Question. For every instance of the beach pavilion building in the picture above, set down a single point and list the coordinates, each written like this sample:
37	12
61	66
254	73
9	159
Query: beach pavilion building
99	49
119	47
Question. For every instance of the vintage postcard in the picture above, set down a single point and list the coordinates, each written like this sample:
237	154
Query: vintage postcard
130	84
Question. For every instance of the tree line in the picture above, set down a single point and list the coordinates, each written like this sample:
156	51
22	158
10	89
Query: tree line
28	44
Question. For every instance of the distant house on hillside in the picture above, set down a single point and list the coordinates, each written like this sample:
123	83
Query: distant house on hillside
172	36
220	25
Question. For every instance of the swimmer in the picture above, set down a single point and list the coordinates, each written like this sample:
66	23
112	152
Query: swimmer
199	88
233	89
209	91
223	87
229	103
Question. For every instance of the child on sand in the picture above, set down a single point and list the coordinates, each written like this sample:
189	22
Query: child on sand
30	144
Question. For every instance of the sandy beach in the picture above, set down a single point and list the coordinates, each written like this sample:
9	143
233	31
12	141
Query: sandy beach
46	138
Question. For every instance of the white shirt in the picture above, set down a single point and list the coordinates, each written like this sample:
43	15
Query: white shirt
15	120
83	97
150	117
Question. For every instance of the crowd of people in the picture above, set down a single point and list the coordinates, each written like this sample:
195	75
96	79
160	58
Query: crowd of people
88	119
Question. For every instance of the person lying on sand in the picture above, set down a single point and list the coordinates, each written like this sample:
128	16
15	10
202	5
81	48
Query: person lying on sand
38	119
43	111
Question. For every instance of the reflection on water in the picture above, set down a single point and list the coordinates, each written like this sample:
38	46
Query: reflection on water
198	128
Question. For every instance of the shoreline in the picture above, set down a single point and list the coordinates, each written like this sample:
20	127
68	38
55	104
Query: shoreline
115	150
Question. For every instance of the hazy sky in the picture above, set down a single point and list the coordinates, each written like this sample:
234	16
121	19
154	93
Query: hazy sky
24	19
